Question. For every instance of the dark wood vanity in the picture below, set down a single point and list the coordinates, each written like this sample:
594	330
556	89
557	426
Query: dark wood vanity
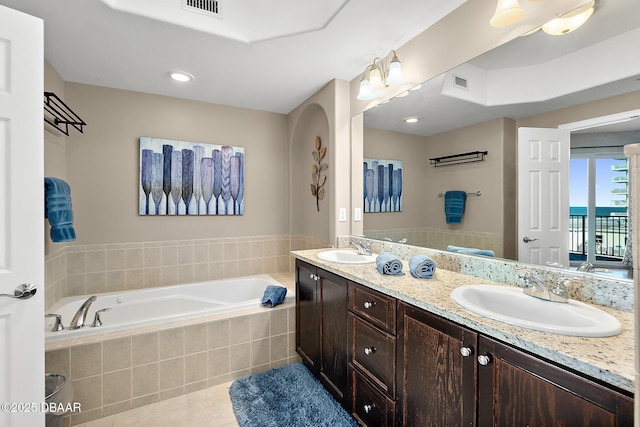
391	363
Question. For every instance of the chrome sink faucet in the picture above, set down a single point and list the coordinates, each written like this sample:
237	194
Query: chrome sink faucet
362	247
81	314
538	287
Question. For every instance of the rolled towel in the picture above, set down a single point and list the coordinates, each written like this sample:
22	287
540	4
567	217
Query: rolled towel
388	263
422	267
471	251
273	295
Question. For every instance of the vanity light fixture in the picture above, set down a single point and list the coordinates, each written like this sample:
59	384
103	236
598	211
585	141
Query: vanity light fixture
180	76
377	76
507	12
570	21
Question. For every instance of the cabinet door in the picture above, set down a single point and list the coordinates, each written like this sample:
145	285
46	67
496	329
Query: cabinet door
437	383
308	315
517	389
334	346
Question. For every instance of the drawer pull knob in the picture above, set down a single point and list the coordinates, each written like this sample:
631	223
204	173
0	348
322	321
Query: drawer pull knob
368	408
369	350
369	304
466	351
484	359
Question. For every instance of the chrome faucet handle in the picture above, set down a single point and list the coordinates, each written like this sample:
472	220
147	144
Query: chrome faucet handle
57	324
96	319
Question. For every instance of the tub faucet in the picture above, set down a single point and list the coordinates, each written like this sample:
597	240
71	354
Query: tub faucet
81	314
538	288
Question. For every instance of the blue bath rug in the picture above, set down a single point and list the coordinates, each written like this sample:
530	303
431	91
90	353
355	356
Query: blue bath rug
289	396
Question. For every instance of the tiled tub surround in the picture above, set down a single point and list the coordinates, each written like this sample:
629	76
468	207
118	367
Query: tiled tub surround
608	359
114	372
92	269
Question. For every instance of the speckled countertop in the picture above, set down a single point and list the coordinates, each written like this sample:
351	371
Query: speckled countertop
607	359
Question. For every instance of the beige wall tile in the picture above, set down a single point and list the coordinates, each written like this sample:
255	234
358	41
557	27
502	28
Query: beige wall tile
239	329
185	273
116	386
218	362
201	253
171	373
240	357
144	380
152	257
96	261
279	347
95	284
86	360
195	338
133	258
88	392
116	354
169	255
195	367
58	362
76	262
218	333
260	325
185	254
115	281
144	348
115	259
170	343
260	352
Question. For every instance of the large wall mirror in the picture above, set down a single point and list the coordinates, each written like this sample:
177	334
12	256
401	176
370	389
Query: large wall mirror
536	80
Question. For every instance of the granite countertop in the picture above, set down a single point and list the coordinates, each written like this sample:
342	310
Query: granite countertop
609	359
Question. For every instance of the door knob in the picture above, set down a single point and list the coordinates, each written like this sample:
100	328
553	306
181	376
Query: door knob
484	359
466	351
24	291
527	239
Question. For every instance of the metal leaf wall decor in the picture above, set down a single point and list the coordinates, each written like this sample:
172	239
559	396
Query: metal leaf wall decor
317	178
188	178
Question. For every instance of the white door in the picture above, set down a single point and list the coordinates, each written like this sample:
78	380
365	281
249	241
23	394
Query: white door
543	195
21	218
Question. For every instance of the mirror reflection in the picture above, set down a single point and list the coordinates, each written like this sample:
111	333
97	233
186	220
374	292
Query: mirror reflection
536	80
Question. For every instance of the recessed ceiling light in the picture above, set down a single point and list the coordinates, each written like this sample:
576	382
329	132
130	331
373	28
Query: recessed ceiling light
180	76
411	120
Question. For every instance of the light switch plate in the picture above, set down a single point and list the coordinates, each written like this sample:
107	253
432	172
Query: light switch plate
342	214
357	214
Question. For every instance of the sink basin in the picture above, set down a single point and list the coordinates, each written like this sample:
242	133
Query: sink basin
512	306
346	256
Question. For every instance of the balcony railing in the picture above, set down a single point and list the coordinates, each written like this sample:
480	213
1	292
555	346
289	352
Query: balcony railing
611	235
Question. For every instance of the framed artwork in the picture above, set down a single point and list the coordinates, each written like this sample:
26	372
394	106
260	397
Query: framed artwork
189	178
382	185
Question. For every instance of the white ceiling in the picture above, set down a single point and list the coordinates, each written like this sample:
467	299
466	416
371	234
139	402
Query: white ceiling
530	75
268	56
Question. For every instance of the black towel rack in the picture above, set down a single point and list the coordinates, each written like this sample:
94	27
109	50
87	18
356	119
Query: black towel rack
59	115
455	159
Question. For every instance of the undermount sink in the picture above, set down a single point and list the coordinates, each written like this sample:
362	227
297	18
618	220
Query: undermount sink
346	256
512	306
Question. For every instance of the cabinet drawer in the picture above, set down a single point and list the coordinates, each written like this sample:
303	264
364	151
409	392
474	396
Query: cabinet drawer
374	352
379	309
371	407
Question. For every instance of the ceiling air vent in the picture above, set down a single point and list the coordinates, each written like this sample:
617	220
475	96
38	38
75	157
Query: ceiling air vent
460	82
206	7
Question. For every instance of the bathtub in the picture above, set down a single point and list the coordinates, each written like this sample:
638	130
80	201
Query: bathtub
161	305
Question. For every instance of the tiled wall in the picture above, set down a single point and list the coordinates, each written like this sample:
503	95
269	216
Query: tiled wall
438	238
117	374
92	269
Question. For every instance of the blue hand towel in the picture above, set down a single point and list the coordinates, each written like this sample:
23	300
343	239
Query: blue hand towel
273	295
388	263
422	267
454	202
471	251
57	208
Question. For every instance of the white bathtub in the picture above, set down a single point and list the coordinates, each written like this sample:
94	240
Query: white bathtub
130	309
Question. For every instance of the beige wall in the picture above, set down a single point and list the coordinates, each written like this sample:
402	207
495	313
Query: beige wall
102	165
493	212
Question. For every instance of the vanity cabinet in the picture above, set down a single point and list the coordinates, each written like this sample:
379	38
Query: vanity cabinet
372	356
321	331
450	375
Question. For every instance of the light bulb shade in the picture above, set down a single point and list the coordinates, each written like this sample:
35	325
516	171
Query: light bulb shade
507	12
570	21
365	91
395	72
375	78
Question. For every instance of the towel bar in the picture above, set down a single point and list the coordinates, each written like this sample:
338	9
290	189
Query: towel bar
477	193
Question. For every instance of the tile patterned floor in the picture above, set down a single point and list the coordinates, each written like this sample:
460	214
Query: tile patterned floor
210	407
